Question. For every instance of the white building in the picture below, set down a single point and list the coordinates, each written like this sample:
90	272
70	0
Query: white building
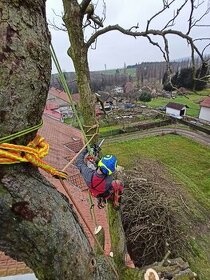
176	110
20	277
205	109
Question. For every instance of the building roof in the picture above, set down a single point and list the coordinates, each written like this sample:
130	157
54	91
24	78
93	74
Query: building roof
176	106
61	138
102	96
53	114
62	95
205	102
51	105
59	93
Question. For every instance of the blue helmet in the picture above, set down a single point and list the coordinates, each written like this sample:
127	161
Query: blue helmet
107	164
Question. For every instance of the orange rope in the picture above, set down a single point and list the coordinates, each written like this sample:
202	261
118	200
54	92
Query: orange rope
33	152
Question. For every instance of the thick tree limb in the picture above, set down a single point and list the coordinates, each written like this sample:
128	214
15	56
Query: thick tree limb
143	34
84	4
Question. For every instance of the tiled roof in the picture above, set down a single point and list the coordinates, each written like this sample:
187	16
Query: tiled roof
59	93
53	114
175	106
205	102
103	96
58	135
75	144
63	95
51	105
9	266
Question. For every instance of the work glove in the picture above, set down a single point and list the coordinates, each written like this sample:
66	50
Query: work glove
96	150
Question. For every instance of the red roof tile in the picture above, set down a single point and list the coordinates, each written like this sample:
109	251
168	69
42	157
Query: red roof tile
53	114
59	93
63	95
205	102
51	105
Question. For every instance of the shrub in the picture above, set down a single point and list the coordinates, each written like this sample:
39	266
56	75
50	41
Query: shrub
145	96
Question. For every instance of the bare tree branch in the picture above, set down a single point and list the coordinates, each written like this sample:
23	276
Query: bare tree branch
201	39
84	6
157	45
190	16
171	21
165	6
202	25
196	21
104	10
205	49
56	27
143	34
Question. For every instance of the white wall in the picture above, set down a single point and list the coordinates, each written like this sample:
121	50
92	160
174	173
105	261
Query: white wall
204	114
173	112
20	277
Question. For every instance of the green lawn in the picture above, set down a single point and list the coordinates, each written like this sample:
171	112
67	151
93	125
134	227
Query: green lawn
191	100
188	162
128	71
181	155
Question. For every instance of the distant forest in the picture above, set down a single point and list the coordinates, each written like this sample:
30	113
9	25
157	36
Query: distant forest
151	72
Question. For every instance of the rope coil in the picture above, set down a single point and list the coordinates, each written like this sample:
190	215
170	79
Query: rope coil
32	153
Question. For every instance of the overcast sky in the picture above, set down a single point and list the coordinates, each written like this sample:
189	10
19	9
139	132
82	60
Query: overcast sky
113	48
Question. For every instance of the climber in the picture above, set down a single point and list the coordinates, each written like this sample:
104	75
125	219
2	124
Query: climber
100	181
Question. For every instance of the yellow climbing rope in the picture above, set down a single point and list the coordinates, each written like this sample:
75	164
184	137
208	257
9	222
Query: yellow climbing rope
33	152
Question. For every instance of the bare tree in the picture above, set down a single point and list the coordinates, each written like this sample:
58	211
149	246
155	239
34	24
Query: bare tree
75	16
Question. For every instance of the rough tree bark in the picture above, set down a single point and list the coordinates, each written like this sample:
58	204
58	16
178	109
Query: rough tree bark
78	52
38	225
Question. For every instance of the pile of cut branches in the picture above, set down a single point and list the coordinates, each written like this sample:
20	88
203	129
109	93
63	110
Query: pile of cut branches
150	215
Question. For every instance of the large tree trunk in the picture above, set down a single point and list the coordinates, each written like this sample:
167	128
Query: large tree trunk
78	52
38	225
25	65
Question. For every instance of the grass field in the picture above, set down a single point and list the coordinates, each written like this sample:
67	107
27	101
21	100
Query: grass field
128	71
192	101
180	155
188	162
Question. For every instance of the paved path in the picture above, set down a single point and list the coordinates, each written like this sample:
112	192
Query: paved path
198	136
